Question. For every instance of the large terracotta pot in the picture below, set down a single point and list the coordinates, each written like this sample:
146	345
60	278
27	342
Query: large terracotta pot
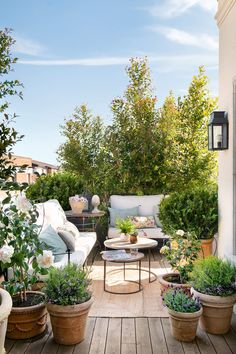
69	322
27	322
206	248
184	325
217	312
168	281
5	309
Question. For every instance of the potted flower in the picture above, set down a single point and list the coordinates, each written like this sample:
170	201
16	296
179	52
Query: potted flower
213	281
21	253
68	302
126	228
77	204
184	313
193	210
181	250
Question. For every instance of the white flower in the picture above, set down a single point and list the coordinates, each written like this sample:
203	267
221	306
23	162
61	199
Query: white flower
2	225
46	259
180	232
164	249
6	252
23	204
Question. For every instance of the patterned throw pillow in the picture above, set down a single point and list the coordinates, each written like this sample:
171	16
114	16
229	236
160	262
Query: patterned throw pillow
142	222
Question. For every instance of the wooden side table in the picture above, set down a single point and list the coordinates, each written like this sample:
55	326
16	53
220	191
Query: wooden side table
85	221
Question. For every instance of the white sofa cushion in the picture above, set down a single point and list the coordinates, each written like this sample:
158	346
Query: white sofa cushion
146	202
50	213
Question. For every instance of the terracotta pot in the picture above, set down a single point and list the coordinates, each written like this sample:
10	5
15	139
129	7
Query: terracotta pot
133	238
69	322
165	283
206	248
5	309
217	312
184	325
27	322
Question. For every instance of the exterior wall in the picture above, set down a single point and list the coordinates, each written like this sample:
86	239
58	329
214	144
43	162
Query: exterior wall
226	20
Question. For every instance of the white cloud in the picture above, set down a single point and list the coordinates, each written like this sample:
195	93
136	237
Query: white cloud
27	46
185	38
174	8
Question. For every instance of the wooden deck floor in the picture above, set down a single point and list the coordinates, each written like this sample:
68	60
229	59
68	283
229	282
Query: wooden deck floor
130	336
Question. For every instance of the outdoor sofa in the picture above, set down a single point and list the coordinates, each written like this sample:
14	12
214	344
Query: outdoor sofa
122	206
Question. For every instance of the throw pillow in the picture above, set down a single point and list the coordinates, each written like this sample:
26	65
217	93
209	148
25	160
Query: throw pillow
116	214
142	222
156	215
68	238
52	241
68	226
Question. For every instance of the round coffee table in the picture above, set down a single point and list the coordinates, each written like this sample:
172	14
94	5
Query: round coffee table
107	256
143	243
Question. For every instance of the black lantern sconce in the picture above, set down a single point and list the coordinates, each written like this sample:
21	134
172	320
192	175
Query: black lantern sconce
218	131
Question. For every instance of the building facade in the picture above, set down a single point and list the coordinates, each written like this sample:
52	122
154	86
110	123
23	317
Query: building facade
226	21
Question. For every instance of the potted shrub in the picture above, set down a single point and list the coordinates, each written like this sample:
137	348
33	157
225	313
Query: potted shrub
181	250
184	313
126	228
133	236
68	302
213	281
21	253
193	210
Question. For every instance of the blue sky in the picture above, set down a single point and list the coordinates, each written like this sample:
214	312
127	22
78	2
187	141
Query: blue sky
74	51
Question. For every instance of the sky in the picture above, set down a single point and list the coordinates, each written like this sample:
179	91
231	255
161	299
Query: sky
72	52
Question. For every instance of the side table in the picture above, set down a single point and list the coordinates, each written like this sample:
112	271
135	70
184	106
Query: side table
109	256
85	221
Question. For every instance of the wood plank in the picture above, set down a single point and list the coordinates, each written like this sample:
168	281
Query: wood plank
233	322
65	349
20	347
113	336
219	344
84	346
190	347
50	346
98	343
128	331
157	336
143	336
204	344
37	346
230	338
128	348
173	345
9	344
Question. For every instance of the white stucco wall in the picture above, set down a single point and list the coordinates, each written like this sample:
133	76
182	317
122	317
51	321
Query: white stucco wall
226	20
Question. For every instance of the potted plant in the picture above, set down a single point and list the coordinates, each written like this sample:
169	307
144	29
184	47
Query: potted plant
133	236
21	253
193	210
68	302
184	313
181	250
126	228
213	281
5	309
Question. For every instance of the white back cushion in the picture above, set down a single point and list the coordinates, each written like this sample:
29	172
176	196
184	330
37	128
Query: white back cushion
146	202
51	213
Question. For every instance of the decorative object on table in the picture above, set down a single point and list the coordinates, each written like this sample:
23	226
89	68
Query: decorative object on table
95	203
181	250
193	210
28	316
184	313
68	302
5	309
87	195
133	237
143	222
213	281
126	227
78	204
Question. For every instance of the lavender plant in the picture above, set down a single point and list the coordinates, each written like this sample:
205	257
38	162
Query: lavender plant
180	301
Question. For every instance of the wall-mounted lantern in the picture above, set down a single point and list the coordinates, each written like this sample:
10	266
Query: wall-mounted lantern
218	131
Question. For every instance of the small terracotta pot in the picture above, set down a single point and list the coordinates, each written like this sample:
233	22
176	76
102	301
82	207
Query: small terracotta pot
27	322
69	322
206	248
133	238
165	283
184	325
217	312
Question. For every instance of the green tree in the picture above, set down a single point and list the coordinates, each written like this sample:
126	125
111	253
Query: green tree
134	138
183	126
8	135
81	152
